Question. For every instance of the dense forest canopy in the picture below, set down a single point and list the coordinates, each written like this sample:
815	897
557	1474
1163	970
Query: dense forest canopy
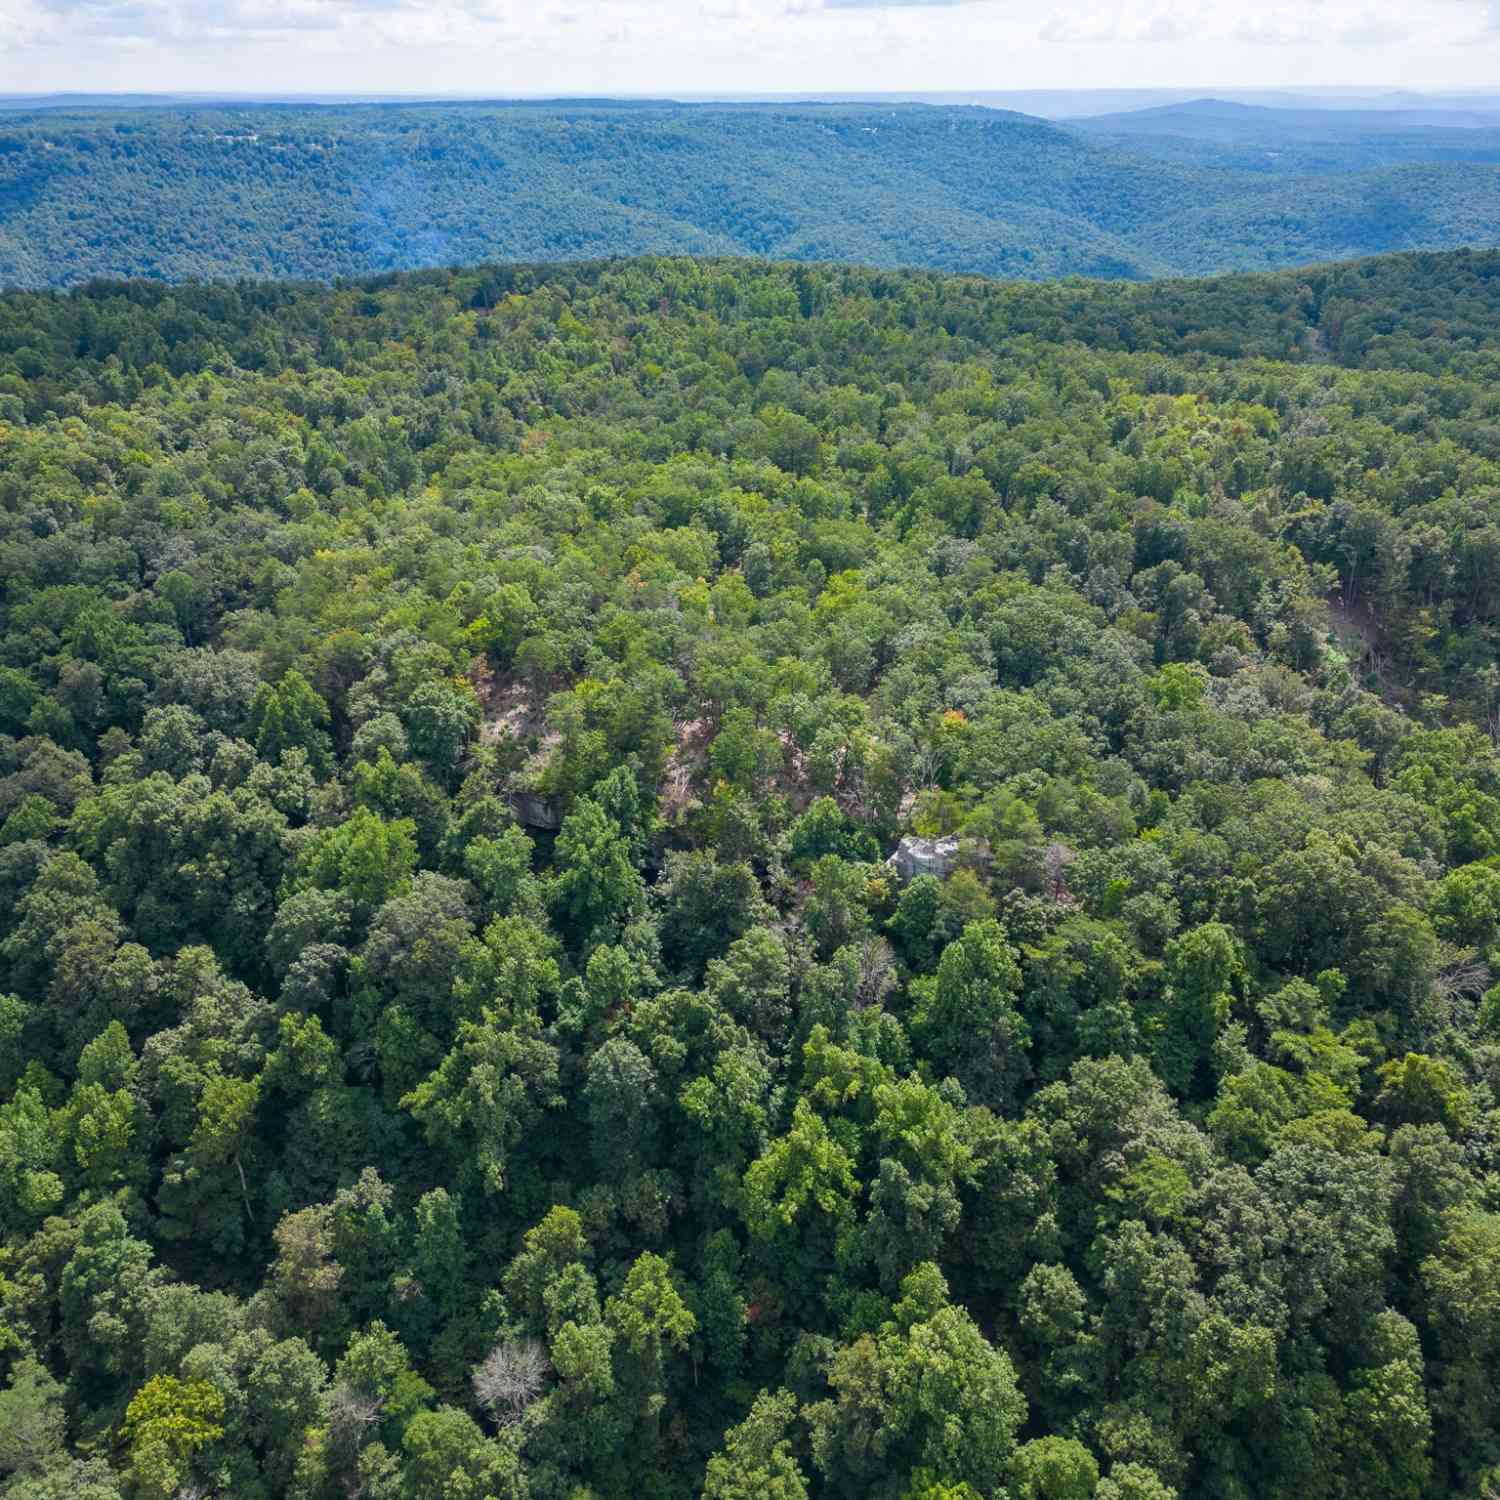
714	878
323	192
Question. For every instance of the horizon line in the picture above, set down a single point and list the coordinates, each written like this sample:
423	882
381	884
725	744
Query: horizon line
284	93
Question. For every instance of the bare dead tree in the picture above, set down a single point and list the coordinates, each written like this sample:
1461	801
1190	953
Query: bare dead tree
351	1410
1464	980
350	1416
677	787
877	972
511	1378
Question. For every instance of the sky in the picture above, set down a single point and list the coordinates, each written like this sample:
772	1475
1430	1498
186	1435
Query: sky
503	47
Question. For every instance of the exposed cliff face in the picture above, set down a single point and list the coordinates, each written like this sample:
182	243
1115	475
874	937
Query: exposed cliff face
916	856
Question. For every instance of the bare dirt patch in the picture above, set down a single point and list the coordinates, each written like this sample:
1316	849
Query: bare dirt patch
511	709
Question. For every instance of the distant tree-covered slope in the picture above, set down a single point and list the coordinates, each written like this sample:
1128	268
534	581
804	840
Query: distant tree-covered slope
315	192
325	193
1286	141
1332	217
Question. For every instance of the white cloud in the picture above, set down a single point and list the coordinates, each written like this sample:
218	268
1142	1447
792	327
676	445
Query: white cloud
1372	30
888	4
1118	25
1271	31
1166	28
698	46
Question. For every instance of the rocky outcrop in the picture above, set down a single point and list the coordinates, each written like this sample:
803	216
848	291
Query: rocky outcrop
916	856
536	812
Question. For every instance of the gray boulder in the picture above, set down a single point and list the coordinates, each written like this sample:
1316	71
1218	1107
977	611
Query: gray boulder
537	812
916	856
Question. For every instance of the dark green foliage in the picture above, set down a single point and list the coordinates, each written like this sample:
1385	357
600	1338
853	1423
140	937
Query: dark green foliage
463	1030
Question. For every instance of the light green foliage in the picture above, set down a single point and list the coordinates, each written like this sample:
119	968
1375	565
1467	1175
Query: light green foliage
1466	906
167	1422
444	1452
1389	1431
803	1175
927	1487
1421	1090
484	1097
1053	1468
927	1391
366	858
649	1316
557	1242
757	1460
1132	1481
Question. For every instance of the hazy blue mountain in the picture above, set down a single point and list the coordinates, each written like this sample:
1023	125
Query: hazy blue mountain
1243	137
305	191
1220	118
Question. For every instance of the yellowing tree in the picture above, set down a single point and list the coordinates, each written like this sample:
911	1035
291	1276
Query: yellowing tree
167	1422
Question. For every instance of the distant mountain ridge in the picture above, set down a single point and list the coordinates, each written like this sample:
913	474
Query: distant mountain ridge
307	191
1286	142
1196	114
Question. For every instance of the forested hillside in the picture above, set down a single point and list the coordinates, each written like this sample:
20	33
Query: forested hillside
681	878
1302	139
328	192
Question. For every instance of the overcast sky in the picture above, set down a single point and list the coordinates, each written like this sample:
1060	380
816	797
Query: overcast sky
643	46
